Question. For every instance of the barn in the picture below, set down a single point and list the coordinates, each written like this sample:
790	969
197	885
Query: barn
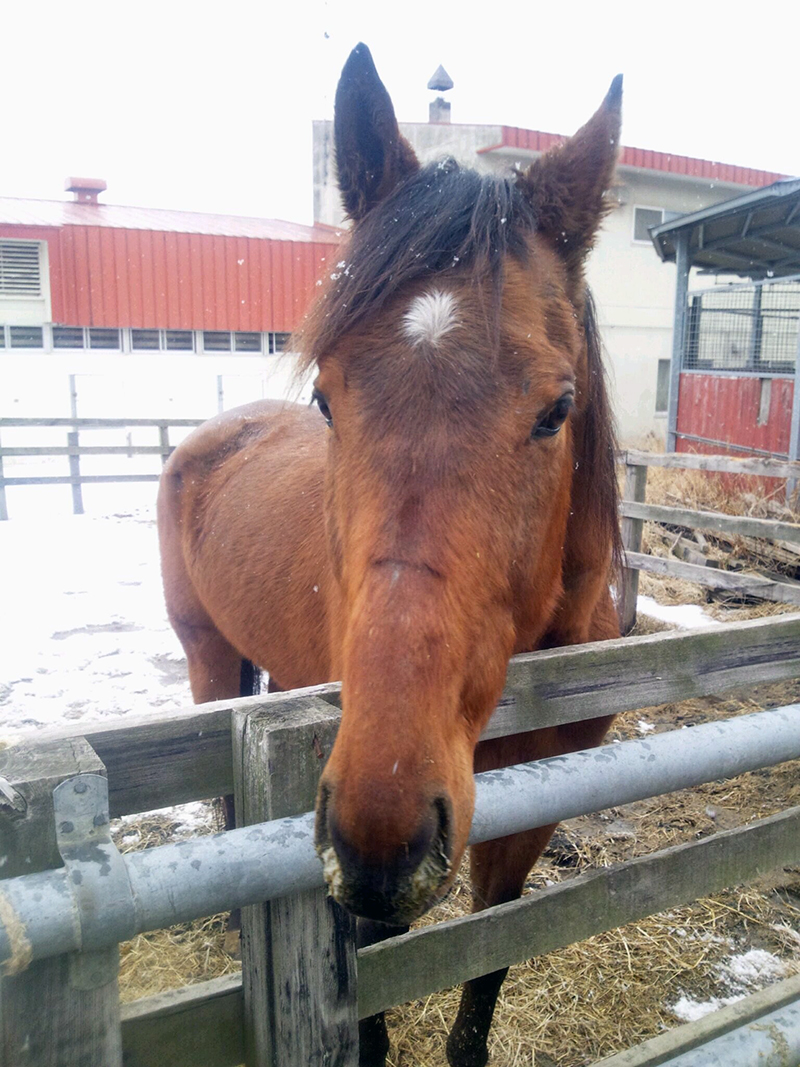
83	282
735	343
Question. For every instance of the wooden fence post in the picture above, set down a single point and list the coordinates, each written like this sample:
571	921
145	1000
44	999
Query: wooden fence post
64	1011
3	505
299	952
75	473
163	440
635	489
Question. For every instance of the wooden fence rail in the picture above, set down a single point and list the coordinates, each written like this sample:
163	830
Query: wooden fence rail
635	512
204	751
73	450
185	754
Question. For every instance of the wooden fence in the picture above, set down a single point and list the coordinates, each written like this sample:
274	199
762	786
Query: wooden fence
267	751
635	512
73	450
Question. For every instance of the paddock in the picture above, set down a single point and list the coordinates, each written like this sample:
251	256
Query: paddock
61	925
195	753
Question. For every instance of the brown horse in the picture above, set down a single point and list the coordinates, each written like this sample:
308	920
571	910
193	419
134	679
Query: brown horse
452	502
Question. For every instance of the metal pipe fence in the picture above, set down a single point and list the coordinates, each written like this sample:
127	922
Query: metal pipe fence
100	898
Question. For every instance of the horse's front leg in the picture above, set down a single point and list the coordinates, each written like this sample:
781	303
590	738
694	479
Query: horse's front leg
373	1040
498	870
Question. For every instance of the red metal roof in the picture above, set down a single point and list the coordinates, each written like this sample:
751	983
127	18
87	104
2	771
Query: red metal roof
18	212
644	158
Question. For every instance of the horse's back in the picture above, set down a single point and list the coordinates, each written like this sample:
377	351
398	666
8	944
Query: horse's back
240	526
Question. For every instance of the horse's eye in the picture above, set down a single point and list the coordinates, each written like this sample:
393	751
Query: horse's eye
318	399
551	423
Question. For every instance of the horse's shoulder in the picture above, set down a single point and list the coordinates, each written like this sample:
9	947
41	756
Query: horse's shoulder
229	432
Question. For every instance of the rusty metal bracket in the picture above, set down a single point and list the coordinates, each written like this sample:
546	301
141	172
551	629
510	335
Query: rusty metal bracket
96	873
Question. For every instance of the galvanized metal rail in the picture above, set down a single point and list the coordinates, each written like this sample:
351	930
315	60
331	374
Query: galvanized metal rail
100	898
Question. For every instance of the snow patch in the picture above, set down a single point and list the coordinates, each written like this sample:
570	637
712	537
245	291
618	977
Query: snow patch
681	616
689	1010
755	967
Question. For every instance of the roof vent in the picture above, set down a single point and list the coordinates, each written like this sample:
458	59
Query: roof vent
440	82
85	190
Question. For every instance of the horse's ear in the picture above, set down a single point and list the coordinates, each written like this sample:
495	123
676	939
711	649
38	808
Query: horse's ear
371	155
566	186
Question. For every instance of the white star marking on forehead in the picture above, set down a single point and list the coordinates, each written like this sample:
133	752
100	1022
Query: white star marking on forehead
430	317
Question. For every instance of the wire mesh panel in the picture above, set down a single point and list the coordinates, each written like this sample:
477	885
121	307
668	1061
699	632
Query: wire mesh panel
750	328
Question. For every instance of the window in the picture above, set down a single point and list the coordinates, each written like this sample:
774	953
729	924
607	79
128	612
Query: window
278	342
68	337
247	342
103	338
643	219
26	336
179	340
216	341
144	340
662	386
20	271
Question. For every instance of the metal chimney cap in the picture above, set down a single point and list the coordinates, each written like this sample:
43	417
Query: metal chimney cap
440	80
85	190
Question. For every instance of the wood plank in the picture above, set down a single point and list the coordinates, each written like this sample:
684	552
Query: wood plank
98	424
196	1026
177	755
184	754
437	957
682	1039
711	520
766	468
635	489
88	450
298	952
607	677
746	584
84	479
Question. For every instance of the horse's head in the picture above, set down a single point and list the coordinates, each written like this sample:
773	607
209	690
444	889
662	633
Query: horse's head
456	373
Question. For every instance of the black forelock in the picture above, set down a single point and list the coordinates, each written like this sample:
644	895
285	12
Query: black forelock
444	218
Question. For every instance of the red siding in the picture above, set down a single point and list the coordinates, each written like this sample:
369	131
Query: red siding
724	407
100	276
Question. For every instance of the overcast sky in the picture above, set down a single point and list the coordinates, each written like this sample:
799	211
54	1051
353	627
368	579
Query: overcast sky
208	107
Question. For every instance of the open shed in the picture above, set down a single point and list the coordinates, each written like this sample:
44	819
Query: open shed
735	346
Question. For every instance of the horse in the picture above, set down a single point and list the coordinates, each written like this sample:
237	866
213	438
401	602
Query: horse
449	500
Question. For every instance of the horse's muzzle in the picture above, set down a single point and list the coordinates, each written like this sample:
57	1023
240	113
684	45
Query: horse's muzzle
396	888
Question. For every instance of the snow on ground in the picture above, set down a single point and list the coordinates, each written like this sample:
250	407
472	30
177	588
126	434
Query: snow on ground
84	634
681	616
740	974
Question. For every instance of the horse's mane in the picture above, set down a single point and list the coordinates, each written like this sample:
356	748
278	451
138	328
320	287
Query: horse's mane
596	442
443	218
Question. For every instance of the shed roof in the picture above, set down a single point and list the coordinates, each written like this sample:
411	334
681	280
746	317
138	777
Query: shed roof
755	235
515	140
20	212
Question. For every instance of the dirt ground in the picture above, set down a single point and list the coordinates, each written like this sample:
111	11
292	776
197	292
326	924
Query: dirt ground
574	1006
